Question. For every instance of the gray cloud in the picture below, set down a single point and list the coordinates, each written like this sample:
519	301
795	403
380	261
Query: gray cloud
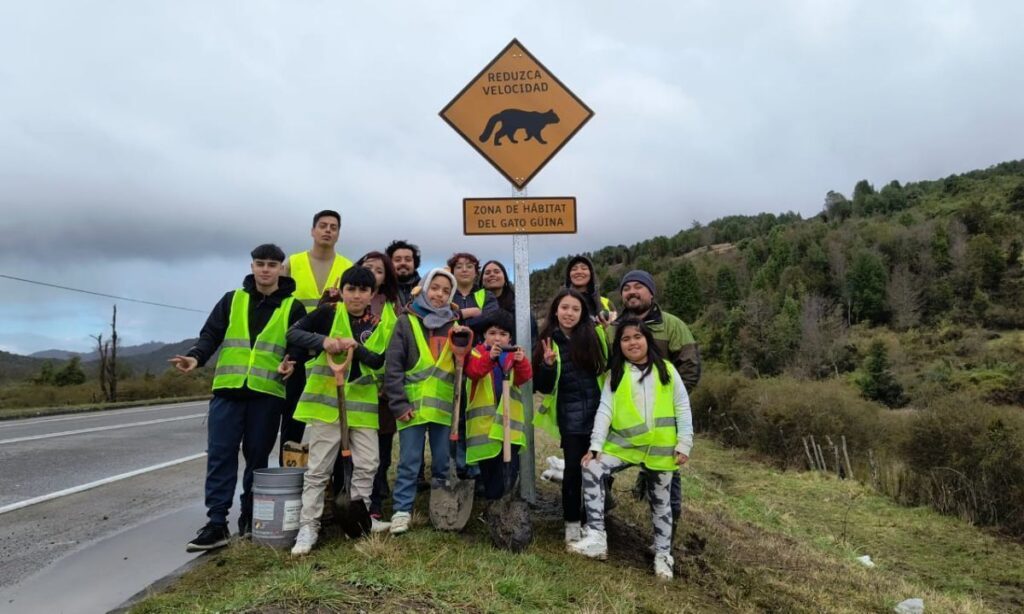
154	140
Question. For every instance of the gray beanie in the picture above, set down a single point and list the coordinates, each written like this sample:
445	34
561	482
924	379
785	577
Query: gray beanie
639	276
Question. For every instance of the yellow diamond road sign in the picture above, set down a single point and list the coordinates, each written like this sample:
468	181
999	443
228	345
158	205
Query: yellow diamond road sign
516	114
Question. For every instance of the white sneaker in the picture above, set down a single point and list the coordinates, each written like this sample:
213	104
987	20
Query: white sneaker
663	565
594	544
573	532
378	526
400	522
305	540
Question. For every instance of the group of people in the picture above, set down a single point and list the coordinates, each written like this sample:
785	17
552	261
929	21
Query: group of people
614	385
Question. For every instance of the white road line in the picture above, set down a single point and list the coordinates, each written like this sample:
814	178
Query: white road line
91	485
85	415
100	428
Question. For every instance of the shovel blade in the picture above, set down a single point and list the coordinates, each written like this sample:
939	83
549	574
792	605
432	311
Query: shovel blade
352	516
451	505
508	522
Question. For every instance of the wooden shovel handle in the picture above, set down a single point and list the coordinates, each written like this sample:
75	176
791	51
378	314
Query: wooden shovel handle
340	376
506	426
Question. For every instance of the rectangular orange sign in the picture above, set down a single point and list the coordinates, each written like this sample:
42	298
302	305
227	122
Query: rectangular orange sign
509	216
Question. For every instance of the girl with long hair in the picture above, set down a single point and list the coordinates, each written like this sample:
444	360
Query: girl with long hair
644	419
567	363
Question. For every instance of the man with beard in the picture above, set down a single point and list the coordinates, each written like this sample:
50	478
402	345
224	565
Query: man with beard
405	257
677	345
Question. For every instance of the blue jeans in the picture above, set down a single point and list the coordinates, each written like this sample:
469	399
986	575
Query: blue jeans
410	458
251	423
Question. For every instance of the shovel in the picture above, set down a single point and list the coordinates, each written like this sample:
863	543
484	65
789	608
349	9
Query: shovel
353	516
509	517
451	502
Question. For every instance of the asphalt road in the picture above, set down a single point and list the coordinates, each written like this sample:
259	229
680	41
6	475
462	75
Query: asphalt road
105	543
45	455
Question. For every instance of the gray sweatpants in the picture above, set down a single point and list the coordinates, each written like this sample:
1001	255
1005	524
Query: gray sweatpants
657	494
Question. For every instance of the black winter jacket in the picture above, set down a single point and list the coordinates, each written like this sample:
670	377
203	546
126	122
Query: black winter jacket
578	391
261	307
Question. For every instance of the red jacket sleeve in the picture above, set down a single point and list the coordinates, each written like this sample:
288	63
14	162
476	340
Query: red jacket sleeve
523	371
478	363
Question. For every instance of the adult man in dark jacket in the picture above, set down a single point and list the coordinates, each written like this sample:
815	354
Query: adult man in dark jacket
405	258
676	344
248	386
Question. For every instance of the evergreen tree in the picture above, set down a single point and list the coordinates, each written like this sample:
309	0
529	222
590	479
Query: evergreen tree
862	192
726	288
987	262
71	374
46	374
878	383
682	292
866	281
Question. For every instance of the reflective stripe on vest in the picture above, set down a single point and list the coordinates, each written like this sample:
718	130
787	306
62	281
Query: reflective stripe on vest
319	400
546	416
484	429
307	291
631	438
241	364
430	384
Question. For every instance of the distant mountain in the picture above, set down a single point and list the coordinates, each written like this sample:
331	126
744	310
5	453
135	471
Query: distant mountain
53	354
17	367
138	359
122	352
155	361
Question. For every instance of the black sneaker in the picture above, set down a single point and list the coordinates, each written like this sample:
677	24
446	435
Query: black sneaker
214	535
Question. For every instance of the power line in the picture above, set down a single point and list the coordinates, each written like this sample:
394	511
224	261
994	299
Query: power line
120	298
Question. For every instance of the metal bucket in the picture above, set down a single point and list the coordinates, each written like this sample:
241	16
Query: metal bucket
276	503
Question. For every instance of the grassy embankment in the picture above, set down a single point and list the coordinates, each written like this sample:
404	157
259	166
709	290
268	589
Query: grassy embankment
755	539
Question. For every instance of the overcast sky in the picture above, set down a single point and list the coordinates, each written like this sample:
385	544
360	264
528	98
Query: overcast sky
146	147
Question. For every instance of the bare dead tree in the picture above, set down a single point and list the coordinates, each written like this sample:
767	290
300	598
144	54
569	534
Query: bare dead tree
904	293
107	351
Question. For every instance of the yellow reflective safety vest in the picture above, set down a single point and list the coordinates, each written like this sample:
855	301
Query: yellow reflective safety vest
631	439
253	365
546	416
319	400
430	384
306	289
484	421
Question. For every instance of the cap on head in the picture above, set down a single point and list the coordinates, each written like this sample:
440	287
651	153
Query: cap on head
639	276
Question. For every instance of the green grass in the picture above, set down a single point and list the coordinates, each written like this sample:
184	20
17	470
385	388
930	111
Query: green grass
753	539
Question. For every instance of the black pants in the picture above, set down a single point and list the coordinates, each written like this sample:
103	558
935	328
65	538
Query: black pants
291	429
492	474
575	448
380	481
251	423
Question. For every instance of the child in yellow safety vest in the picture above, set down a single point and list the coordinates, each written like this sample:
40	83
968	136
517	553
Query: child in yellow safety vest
485	368
419	381
335	328
644	419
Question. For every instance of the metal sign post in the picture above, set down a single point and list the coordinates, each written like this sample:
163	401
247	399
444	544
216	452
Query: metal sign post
527	457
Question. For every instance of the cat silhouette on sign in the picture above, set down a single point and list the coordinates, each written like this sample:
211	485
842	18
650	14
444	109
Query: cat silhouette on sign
516	119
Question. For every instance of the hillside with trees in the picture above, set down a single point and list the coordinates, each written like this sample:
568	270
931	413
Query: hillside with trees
909	296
